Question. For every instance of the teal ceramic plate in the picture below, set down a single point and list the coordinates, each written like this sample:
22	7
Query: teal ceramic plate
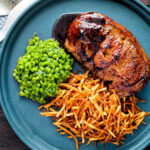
36	131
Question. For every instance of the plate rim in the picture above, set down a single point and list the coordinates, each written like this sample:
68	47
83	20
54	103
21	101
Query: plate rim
24	138
137	4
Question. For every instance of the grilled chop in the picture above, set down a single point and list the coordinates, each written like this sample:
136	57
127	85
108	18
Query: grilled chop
110	51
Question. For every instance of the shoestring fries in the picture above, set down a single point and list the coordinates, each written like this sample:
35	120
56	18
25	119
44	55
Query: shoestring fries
87	111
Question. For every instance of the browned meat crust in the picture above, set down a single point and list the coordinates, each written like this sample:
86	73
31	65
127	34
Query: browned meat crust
110	51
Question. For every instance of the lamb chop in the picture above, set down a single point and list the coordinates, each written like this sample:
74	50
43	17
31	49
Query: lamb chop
110	51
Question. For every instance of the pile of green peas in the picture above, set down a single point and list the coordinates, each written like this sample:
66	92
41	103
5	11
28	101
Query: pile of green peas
42	68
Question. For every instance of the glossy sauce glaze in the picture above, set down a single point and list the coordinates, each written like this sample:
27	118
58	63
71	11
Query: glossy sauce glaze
110	51
89	30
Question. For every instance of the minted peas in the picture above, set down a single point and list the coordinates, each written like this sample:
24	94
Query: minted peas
42	68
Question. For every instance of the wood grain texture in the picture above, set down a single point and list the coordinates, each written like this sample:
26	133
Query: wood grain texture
9	140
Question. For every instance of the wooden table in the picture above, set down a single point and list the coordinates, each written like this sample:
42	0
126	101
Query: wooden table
9	140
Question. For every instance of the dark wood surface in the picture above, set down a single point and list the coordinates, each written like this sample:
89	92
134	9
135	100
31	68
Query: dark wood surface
9	140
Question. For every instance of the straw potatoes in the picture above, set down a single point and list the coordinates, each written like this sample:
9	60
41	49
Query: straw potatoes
86	110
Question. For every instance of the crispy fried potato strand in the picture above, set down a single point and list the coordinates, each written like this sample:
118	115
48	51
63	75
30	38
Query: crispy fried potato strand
85	109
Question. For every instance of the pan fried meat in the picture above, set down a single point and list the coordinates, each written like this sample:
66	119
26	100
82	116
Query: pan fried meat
110	51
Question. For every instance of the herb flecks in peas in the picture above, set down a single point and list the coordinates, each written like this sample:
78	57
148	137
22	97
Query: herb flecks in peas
42	68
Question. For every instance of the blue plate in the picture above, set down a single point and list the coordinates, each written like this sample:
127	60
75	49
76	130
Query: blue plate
36	131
